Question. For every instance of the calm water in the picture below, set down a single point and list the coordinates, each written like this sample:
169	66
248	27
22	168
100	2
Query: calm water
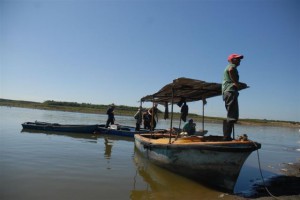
36	165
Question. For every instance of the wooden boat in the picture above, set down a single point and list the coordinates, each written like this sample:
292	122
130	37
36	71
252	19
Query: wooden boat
208	159
72	128
121	130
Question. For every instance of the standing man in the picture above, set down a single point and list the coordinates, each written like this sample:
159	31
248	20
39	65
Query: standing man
153	114
110	115
147	120
230	94
139	118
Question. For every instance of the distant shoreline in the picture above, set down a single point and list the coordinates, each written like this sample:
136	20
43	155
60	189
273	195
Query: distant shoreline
130	111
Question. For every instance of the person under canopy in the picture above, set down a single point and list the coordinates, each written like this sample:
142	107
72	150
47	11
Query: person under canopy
190	127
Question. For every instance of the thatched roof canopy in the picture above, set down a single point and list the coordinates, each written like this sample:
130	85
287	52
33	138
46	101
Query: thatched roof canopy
188	89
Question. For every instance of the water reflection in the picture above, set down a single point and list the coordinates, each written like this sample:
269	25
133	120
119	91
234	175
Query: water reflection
162	184
108	147
107	151
87	137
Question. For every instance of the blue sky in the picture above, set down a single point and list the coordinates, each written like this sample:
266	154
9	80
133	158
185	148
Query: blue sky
99	52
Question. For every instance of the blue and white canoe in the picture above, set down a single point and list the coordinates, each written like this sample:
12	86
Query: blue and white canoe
123	130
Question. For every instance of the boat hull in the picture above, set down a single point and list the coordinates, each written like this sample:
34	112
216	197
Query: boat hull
60	127
122	130
216	164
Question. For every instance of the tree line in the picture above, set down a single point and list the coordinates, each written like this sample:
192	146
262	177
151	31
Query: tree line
87	105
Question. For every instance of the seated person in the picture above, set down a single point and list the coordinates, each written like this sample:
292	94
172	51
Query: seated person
190	127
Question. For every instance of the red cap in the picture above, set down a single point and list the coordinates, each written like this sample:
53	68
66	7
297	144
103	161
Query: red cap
234	55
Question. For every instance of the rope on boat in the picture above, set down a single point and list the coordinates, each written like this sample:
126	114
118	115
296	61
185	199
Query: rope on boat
263	180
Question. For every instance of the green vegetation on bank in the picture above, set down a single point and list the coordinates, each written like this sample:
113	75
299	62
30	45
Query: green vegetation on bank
127	110
68	106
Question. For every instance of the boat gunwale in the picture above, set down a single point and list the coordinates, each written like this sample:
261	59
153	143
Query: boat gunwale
224	146
46	124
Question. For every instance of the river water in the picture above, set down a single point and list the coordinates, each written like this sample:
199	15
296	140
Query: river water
37	165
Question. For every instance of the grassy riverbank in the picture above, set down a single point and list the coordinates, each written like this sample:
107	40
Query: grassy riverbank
129	111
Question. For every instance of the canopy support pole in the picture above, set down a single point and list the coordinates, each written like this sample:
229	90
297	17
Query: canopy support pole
141	114
152	116
171	124
203	103
233	131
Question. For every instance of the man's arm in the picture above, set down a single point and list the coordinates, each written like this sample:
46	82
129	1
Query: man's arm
233	76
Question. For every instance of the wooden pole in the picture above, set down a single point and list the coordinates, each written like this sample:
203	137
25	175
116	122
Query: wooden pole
152	114
203	114
233	131
171	124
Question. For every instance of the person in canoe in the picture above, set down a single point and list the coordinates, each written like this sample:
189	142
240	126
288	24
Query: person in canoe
230	86
110	115
190	127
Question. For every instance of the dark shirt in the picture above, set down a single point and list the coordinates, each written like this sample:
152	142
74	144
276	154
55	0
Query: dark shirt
190	128
110	113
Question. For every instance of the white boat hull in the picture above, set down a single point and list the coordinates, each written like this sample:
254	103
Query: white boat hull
214	163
